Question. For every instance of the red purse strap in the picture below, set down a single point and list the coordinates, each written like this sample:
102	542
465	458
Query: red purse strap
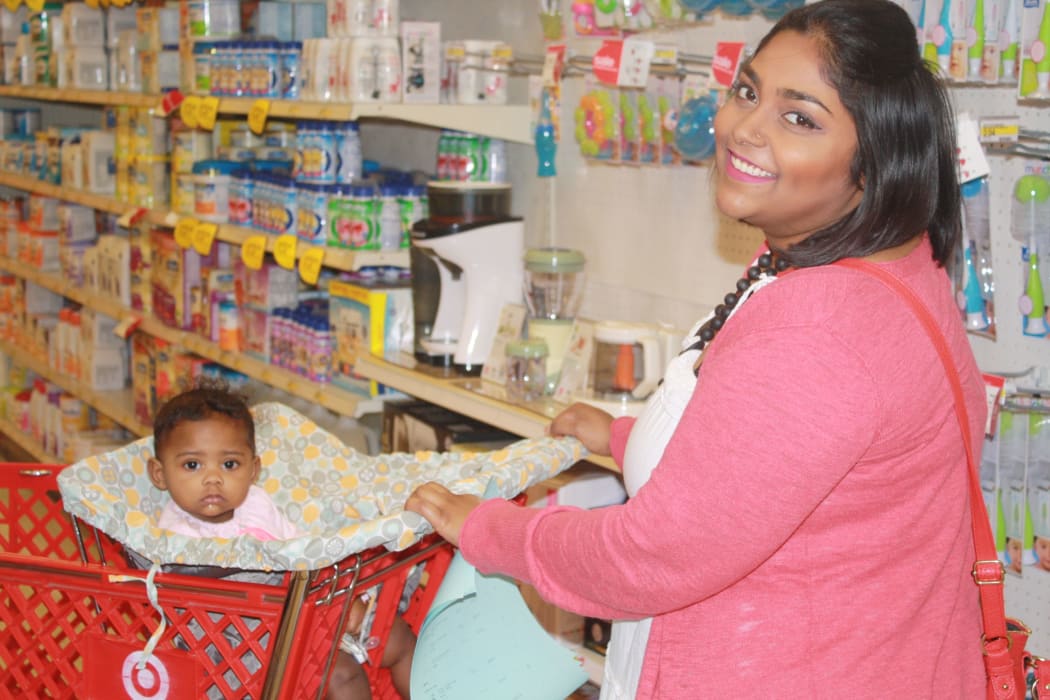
988	571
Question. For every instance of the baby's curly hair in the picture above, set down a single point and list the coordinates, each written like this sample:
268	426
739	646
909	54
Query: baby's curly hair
207	398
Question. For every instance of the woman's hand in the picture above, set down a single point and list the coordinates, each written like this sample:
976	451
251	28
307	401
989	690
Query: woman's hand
587	424
443	509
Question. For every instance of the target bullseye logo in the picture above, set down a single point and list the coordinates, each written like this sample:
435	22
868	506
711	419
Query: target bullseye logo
151	682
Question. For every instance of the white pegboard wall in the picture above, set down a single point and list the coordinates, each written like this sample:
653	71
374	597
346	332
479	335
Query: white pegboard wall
1011	351
1027	596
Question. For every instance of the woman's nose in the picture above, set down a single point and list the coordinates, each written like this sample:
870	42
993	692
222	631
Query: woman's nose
750	128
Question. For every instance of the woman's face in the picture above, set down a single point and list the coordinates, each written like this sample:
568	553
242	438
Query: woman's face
785	145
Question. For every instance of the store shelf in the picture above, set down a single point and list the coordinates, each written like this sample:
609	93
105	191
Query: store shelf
471	397
508	122
25	441
331	397
118	405
334	258
91	97
67	194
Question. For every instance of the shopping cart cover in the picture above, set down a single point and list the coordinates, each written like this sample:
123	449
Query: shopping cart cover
344	501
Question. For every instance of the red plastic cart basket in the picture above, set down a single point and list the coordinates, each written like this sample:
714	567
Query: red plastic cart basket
74	617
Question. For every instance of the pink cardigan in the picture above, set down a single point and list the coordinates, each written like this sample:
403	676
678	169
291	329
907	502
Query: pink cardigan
807	532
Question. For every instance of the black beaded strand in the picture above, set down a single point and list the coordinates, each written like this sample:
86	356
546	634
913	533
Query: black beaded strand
767	264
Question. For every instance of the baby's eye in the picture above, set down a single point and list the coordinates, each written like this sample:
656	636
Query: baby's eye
192	465
799	119
230	464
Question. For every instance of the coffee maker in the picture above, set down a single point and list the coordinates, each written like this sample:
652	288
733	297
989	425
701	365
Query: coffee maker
466	265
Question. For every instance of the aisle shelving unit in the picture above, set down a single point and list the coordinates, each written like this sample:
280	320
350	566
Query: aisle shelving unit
508	122
118	405
333	398
334	258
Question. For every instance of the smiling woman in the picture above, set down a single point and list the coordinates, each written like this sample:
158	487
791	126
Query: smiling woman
785	144
798	494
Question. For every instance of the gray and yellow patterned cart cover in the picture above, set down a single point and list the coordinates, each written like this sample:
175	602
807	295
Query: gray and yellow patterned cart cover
345	501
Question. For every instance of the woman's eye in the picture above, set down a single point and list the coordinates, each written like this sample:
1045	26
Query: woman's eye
799	119
745	92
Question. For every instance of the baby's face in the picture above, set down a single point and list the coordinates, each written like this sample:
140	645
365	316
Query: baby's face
207	466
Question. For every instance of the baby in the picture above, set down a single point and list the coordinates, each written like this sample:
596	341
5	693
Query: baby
204	456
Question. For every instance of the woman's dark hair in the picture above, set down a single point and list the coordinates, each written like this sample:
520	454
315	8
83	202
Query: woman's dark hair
208	398
905	159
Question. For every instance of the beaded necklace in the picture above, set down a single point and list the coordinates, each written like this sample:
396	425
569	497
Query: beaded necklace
767	264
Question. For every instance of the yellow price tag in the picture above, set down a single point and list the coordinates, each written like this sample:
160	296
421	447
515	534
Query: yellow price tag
252	251
184	231
203	236
35	5
260	109
12	5
188	111
310	265
206	113
284	251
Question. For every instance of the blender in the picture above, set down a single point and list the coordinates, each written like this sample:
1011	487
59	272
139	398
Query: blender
553	291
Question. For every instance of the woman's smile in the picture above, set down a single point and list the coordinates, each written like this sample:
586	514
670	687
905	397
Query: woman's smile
746	171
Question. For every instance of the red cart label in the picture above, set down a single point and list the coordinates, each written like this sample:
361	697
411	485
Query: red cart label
112	671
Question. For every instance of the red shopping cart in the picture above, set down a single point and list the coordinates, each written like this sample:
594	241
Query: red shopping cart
76	615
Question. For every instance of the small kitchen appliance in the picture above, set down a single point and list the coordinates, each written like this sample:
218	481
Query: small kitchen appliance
626	366
466	265
553	291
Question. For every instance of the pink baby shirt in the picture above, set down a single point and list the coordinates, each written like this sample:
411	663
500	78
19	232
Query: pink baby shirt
257	516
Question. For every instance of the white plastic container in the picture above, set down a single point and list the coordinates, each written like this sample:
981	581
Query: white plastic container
211	190
214	18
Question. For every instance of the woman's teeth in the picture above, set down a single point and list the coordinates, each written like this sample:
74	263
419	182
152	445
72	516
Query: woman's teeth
745	167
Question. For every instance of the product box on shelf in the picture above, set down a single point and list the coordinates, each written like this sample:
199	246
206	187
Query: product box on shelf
366	319
269	287
71	260
82	68
158	27
177	280
219	288
104	369
99	161
257	326
119	19
140	269
114	268
83	25
421	62
99	330
142	377
411	425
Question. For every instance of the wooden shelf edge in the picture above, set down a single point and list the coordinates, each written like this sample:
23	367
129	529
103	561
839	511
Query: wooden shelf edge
445	392
25	442
115	404
66	194
93	97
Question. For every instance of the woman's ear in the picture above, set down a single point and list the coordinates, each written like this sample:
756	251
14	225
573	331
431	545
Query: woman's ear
156	473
